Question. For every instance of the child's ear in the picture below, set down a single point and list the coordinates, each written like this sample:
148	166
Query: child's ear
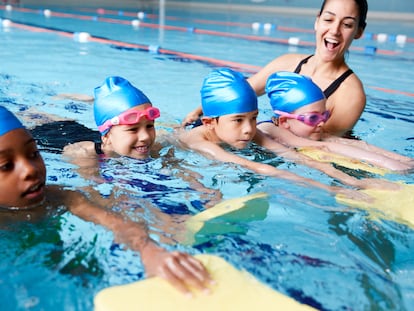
105	139
283	122
207	121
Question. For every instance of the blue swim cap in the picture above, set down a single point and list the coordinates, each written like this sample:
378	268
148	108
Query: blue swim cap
115	96
8	121
289	91
225	91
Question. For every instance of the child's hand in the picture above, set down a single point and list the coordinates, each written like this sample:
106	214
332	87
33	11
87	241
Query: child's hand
380	184
180	269
352	194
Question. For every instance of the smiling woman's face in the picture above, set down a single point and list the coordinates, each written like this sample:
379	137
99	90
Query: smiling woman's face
336	28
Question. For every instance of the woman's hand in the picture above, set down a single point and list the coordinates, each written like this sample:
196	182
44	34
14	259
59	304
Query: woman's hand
192	116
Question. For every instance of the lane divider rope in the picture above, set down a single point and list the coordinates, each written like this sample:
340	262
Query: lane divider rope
365	50
149	48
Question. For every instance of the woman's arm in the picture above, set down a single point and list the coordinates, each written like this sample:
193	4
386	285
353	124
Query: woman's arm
192	116
346	105
286	62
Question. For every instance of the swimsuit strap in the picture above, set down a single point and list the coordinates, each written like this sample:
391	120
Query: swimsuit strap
98	148
334	85
303	61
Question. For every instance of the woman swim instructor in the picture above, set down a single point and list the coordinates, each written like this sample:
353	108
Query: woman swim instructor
338	23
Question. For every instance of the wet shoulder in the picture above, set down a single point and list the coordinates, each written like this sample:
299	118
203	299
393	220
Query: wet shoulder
290	61
80	149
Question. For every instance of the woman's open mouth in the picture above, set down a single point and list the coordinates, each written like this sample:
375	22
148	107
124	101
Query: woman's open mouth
331	44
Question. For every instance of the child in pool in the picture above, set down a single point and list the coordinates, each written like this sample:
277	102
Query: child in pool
300	113
24	195
337	25
230	111
125	118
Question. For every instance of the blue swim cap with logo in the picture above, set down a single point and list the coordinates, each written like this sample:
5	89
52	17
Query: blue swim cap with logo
8	121
115	96
225	91
289	91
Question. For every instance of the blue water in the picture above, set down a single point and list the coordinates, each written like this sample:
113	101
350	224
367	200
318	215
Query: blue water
308	246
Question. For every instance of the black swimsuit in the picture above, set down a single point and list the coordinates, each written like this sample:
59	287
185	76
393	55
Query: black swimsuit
329	90
98	148
334	85
54	136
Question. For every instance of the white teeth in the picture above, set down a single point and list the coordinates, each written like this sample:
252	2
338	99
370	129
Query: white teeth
332	41
145	148
34	188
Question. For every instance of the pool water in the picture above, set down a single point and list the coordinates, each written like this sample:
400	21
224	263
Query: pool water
309	246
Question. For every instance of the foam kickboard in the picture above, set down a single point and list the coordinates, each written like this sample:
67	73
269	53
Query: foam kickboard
225	217
396	205
233	290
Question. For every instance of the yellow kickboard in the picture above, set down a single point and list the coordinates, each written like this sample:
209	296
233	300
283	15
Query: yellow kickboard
225	217
396	205
354	164
234	290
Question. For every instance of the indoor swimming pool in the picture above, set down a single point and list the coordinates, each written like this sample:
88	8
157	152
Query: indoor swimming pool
308	246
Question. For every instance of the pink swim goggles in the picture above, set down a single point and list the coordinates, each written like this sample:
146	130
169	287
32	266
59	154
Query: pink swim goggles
311	119
130	117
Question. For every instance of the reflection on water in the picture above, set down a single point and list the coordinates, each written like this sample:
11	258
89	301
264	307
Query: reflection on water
308	246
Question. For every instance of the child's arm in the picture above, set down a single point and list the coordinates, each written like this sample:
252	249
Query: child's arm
371	148
326	168
82	149
78	97
347	150
214	151
377	159
180	269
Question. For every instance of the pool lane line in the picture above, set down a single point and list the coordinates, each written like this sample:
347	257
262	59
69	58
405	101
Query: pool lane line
211	32
213	22
385	90
201	21
196	20
148	48
209	60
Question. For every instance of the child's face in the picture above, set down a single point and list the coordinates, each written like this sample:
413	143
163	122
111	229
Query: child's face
236	130
300	128
22	170
133	141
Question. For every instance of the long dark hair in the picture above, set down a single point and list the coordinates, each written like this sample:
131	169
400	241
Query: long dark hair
362	8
